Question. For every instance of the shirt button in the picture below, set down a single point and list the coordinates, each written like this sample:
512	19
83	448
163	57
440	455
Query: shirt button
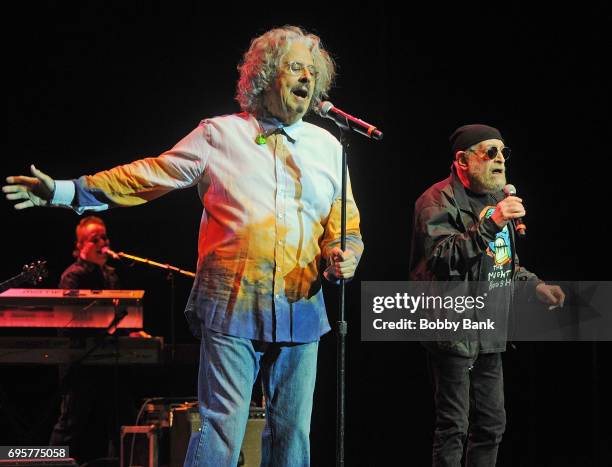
280	242
280	216
278	269
277	295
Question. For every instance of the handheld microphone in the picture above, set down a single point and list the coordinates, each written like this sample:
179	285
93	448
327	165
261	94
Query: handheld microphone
348	122
519	225
107	251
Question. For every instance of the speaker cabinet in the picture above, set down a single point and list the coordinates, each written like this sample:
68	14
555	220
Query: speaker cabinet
185	420
162	441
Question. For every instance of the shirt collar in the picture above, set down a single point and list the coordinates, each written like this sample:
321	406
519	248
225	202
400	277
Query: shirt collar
269	123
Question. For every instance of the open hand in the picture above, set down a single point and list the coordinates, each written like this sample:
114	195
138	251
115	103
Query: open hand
34	191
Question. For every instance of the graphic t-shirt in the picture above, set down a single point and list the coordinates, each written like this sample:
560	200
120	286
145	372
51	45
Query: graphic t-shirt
495	273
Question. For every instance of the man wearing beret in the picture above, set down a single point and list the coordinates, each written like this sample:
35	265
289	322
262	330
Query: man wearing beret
464	231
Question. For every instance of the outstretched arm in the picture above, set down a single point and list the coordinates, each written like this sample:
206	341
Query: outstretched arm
126	185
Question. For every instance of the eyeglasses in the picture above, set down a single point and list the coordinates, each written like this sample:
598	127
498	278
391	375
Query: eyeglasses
297	69
492	152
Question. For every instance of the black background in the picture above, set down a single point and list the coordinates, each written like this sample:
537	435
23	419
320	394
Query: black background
94	85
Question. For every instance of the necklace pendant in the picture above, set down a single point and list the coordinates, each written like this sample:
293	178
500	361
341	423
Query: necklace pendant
260	139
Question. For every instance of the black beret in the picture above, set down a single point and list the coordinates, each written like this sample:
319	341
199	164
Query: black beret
468	135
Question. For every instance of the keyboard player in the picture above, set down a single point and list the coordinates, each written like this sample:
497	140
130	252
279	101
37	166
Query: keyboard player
89	417
90	270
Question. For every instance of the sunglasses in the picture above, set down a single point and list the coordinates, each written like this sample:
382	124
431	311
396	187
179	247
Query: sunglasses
492	152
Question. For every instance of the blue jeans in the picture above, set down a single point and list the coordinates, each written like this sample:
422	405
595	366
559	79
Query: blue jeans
228	369
469	401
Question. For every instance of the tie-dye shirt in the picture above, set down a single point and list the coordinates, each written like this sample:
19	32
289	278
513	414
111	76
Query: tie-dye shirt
271	214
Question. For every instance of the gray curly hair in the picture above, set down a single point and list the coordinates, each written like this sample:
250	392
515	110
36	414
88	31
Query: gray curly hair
261	62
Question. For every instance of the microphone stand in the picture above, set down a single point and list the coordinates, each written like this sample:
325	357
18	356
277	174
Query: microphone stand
348	123
172	270
342	325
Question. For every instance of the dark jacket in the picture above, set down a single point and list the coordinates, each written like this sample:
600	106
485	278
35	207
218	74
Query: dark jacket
449	242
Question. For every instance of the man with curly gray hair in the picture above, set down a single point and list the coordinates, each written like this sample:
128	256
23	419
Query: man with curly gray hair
260	70
270	185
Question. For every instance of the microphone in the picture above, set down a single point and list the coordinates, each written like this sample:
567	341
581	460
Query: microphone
348	122
519	225
107	251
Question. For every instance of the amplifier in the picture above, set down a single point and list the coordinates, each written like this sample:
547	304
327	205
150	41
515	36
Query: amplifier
186	420
173	423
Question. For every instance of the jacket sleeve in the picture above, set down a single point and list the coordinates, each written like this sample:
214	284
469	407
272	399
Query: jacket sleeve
442	248
526	281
